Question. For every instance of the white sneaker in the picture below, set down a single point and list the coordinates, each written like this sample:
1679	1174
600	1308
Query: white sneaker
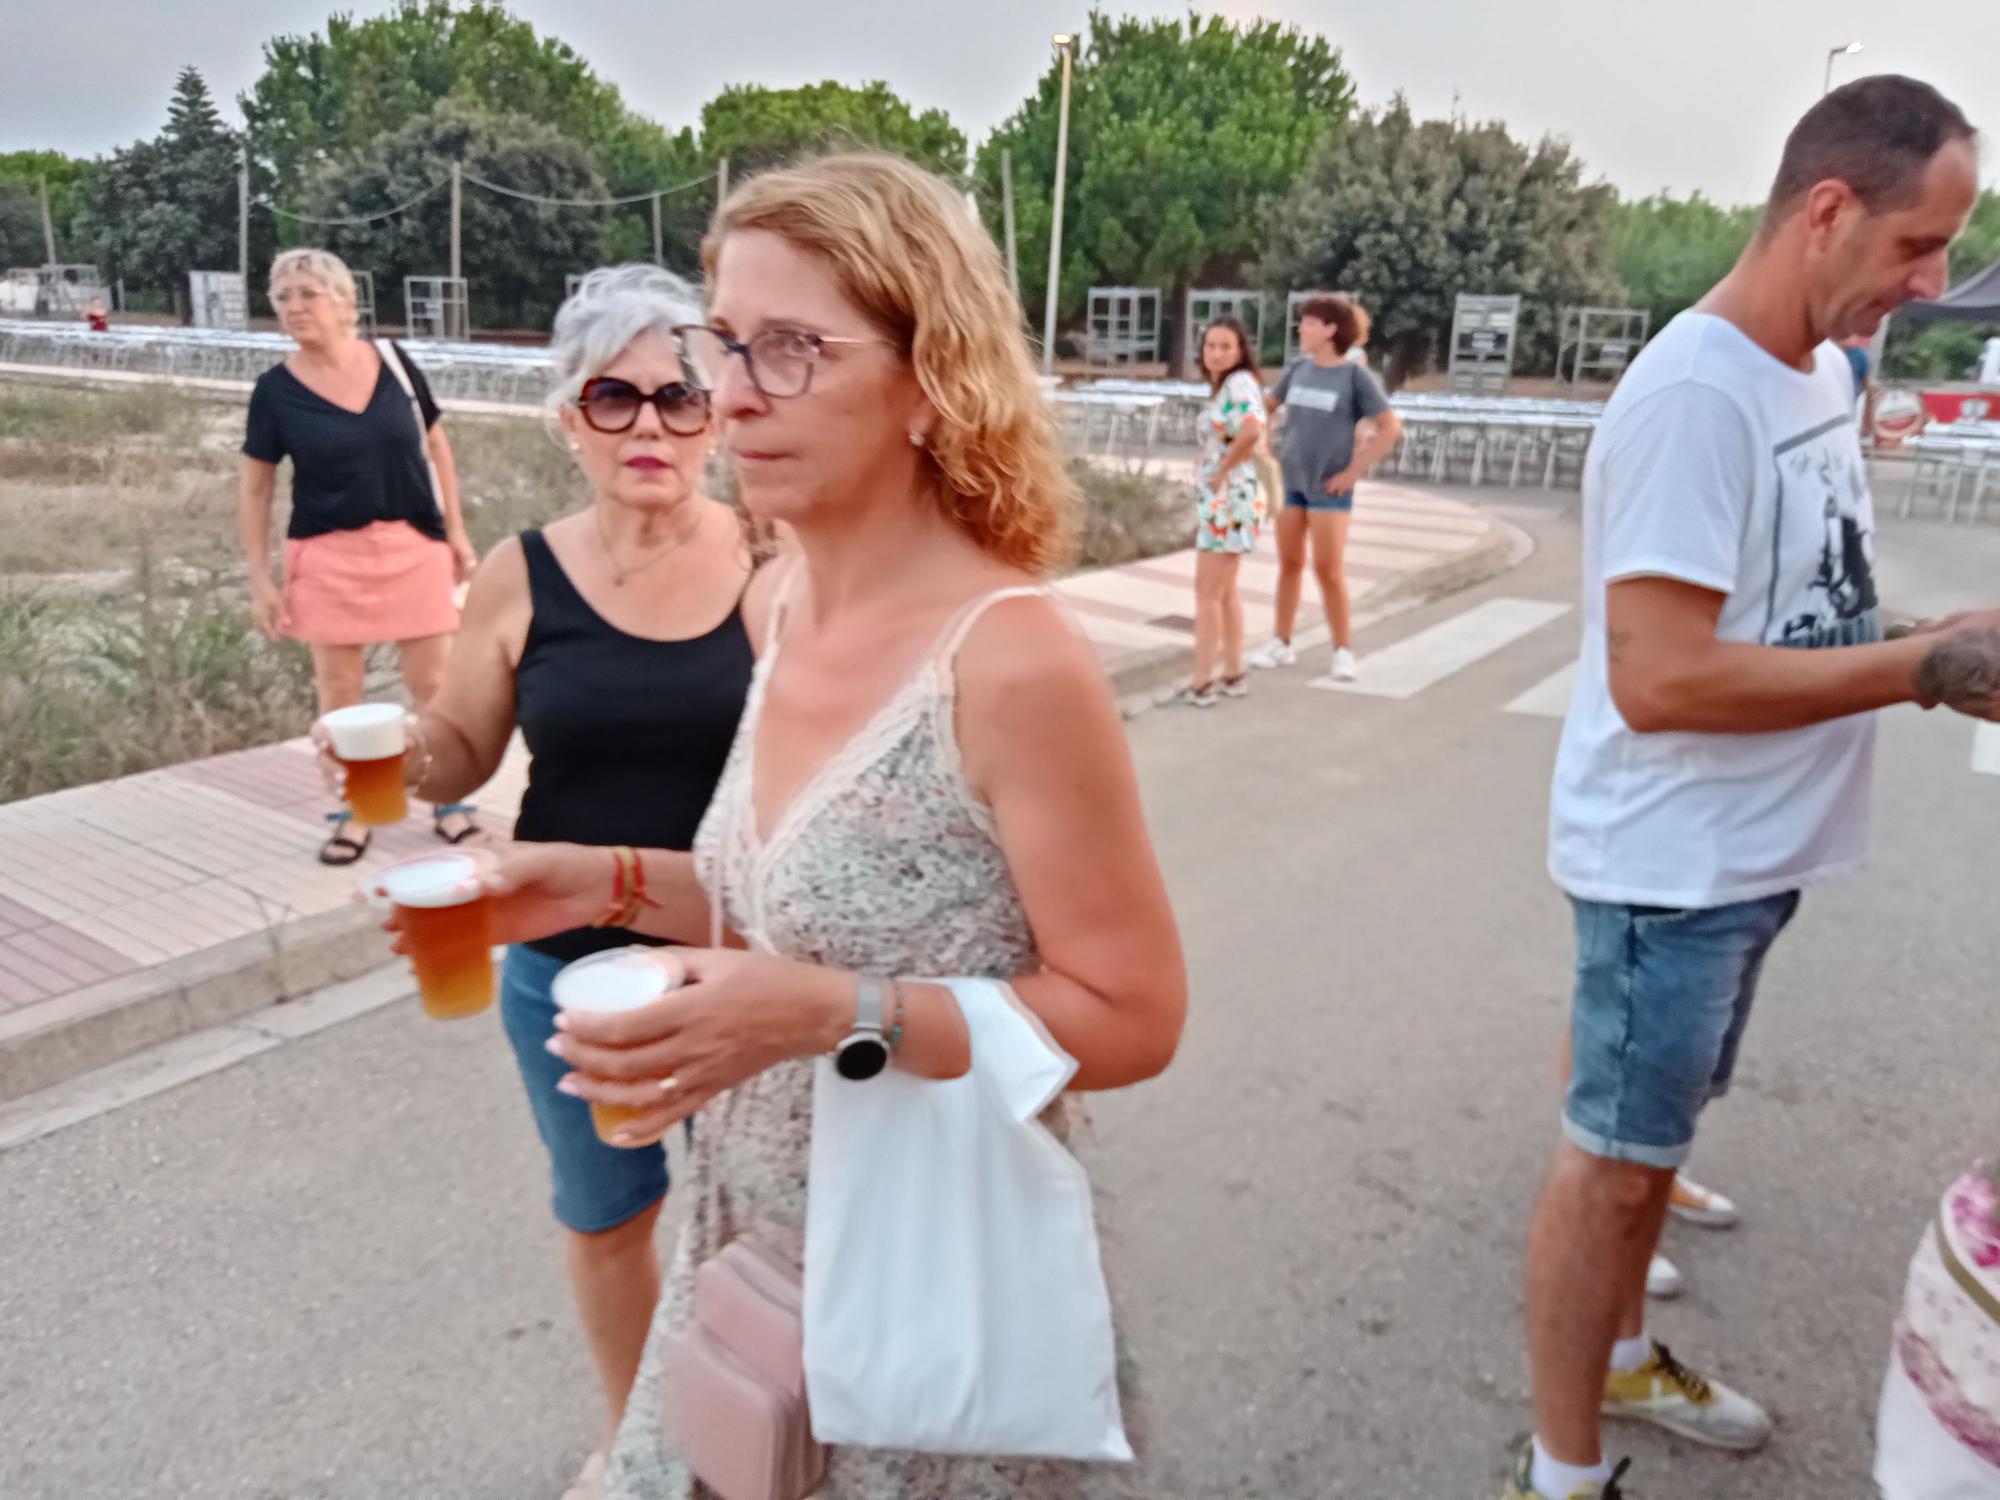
1668	1394
1274	653
1344	669
1190	696
1695	1204
1663	1279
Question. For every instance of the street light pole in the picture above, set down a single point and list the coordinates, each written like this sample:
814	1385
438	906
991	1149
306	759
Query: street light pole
1065	44
1832	53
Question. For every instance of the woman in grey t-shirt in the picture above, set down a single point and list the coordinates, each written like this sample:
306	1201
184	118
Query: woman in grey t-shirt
1324	396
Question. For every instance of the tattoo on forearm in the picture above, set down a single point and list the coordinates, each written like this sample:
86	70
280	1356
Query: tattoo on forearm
1963	671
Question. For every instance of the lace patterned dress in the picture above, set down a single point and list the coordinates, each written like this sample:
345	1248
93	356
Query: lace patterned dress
883	862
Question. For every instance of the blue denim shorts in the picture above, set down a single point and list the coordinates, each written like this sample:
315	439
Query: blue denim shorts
1300	500
597	1187
1662	997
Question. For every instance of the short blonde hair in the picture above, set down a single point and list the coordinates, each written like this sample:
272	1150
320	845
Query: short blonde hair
910	254
323	266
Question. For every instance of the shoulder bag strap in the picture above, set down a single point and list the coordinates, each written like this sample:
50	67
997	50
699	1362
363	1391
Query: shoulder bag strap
393	358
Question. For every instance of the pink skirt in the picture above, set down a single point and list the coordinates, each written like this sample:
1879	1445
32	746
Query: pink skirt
385	582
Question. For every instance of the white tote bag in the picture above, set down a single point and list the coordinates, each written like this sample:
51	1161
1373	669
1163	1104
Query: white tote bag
954	1298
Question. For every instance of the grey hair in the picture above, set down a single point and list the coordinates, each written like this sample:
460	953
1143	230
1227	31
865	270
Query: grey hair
610	308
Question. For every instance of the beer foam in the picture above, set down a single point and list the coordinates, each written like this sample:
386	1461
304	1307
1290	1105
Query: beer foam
367	731
623	979
441	880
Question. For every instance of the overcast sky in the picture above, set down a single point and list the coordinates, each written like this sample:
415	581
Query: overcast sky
1678	95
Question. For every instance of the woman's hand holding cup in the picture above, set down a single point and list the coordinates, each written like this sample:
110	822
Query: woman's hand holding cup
539	890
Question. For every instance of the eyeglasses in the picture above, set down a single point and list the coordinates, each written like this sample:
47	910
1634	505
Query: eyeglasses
780	361
611	405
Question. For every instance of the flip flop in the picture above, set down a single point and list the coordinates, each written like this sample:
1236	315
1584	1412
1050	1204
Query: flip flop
454	809
340	849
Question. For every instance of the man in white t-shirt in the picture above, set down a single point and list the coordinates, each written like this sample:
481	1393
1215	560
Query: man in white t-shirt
1718	751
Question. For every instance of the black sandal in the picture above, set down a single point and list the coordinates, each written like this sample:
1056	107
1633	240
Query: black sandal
450	810
340	849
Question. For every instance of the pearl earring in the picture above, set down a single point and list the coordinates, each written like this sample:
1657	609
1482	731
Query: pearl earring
916	438
576	447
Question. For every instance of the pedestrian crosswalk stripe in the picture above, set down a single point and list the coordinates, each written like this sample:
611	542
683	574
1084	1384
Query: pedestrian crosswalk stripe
1428	657
1986	750
1549	698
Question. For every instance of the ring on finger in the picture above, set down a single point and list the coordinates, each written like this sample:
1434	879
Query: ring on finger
669	1084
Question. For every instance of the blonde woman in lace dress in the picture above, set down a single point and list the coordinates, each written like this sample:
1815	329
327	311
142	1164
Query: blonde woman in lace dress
931	777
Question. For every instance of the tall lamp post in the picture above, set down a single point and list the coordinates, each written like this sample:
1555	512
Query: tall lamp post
1065	43
1832	52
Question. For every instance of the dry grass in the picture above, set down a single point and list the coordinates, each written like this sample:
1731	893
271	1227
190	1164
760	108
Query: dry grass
125	640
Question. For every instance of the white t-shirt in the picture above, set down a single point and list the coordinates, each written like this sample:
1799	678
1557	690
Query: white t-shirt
1720	466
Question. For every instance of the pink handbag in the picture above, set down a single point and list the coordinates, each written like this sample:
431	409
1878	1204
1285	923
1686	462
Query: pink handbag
736	1384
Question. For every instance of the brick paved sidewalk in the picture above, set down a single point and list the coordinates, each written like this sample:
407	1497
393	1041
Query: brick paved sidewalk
105	887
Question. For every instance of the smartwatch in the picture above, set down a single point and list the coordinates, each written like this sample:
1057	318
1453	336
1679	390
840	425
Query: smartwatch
864	1051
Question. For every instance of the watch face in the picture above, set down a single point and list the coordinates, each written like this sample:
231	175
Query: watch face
861	1057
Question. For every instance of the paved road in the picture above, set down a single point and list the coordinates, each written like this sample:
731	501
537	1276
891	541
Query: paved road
327	1272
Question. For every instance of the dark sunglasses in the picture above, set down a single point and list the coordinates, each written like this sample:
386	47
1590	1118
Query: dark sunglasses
610	405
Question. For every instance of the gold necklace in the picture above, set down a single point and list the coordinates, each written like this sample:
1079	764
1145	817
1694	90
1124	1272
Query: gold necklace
618	574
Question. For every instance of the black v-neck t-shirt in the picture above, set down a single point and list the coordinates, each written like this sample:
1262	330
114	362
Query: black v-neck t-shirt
349	469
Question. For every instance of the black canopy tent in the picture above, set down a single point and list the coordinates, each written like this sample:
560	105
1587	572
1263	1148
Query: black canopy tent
1974	300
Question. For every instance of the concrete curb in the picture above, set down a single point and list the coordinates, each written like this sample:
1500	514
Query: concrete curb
104	1023
56	1040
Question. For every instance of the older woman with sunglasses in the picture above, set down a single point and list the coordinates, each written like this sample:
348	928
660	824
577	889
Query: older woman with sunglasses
614	640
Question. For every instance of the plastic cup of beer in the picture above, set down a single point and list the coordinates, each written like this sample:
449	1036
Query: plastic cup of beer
606	983
368	741
447	917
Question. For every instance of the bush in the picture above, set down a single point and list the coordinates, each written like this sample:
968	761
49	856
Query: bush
1129	514
97	687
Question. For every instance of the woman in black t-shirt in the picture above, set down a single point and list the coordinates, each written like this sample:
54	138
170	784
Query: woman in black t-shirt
377	542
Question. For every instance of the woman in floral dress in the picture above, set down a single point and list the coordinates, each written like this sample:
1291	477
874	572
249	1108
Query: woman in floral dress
1938	1432
931	777
1229	510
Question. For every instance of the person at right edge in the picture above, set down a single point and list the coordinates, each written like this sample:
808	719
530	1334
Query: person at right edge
1719	749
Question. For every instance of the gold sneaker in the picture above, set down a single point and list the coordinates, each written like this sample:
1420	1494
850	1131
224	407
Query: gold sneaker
1522	1487
1668	1394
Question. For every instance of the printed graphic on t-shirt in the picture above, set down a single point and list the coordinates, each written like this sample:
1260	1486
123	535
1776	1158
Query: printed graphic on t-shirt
1312	396
1839	604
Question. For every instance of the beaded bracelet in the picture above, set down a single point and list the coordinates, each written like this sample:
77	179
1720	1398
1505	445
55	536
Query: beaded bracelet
895	1038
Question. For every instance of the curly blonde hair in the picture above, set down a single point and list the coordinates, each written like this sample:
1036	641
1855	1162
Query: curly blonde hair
910	253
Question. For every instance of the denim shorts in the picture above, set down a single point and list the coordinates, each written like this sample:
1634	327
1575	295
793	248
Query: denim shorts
597	1187
1300	500
1662	997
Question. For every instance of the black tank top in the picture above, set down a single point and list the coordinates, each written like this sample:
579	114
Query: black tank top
628	735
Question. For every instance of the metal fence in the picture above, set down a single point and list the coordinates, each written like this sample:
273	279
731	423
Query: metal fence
456	371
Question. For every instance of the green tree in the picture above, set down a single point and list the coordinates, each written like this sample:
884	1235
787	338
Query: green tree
1944	351
756	127
323	96
22	174
515	253
330	97
1669	251
161	208
1182	134
1407	214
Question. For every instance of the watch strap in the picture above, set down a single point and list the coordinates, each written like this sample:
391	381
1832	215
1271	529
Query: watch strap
871	1004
